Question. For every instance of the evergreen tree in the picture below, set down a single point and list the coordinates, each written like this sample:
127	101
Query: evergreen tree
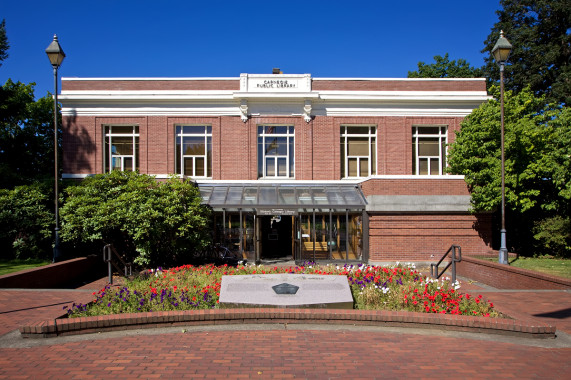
4	45
541	55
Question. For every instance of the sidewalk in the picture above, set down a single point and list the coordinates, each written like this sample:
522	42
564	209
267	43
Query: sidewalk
283	351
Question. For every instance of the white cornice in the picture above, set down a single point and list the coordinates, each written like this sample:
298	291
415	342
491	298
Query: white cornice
276	95
268	103
146	95
150	111
381	95
394	111
235	111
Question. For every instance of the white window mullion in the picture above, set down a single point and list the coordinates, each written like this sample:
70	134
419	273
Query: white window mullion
287	154
369	167
346	153
416	151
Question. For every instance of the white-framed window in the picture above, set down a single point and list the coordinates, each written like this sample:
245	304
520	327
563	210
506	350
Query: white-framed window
358	151
121	148
194	151
429	150
276	151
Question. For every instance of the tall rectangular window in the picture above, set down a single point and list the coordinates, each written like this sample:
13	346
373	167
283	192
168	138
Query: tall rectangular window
276	151
358	151
121	148
429	150
194	151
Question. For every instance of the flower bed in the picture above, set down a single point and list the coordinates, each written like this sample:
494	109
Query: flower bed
399	287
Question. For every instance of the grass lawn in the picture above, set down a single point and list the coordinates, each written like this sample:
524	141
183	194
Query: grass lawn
10	266
551	266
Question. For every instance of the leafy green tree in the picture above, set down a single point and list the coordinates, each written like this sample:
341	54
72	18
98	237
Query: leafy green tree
444	68
4	45
537	151
154	223
554	231
26	222
541	55
26	135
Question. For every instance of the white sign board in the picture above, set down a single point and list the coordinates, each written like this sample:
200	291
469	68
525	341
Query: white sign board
275	82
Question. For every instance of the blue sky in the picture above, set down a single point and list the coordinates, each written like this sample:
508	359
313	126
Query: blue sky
125	38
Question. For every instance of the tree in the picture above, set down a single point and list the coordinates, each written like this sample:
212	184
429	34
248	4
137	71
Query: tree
26	135
541	55
554	231
537	165
154	223
444	68
4	45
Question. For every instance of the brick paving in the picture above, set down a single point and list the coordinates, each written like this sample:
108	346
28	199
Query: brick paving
550	307
20	306
284	355
269	352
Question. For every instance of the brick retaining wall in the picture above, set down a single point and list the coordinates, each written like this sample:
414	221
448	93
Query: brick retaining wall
54	275
527	327
507	277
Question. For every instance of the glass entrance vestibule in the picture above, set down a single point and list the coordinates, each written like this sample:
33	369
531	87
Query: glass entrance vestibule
278	228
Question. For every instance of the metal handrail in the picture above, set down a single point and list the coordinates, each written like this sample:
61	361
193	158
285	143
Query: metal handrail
108	250
456	257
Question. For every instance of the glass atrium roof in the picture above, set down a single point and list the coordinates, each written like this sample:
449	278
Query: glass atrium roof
287	196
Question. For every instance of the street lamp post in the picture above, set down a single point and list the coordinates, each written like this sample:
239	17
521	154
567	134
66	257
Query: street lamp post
56	55
501	52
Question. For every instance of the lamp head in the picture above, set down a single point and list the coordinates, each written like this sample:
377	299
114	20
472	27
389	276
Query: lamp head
55	53
502	49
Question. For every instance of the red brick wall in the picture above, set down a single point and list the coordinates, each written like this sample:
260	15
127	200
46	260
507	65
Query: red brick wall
79	145
424	237
57	274
507	277
413	186
234	146
398	85
317	146
148	85
83	142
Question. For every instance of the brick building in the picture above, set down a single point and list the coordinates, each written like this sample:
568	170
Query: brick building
293	166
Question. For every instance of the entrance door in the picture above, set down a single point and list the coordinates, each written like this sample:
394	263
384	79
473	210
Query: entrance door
276	237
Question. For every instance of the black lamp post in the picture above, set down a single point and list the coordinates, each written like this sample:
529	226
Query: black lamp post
56	55
501	52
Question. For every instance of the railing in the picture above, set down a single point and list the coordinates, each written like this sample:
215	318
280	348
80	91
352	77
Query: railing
456	257
108	253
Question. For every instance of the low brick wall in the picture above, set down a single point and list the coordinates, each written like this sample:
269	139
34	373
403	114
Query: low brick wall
507	277
55	275
526	327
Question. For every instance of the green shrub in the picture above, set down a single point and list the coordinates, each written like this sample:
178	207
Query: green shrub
554	235
26	222
151	223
